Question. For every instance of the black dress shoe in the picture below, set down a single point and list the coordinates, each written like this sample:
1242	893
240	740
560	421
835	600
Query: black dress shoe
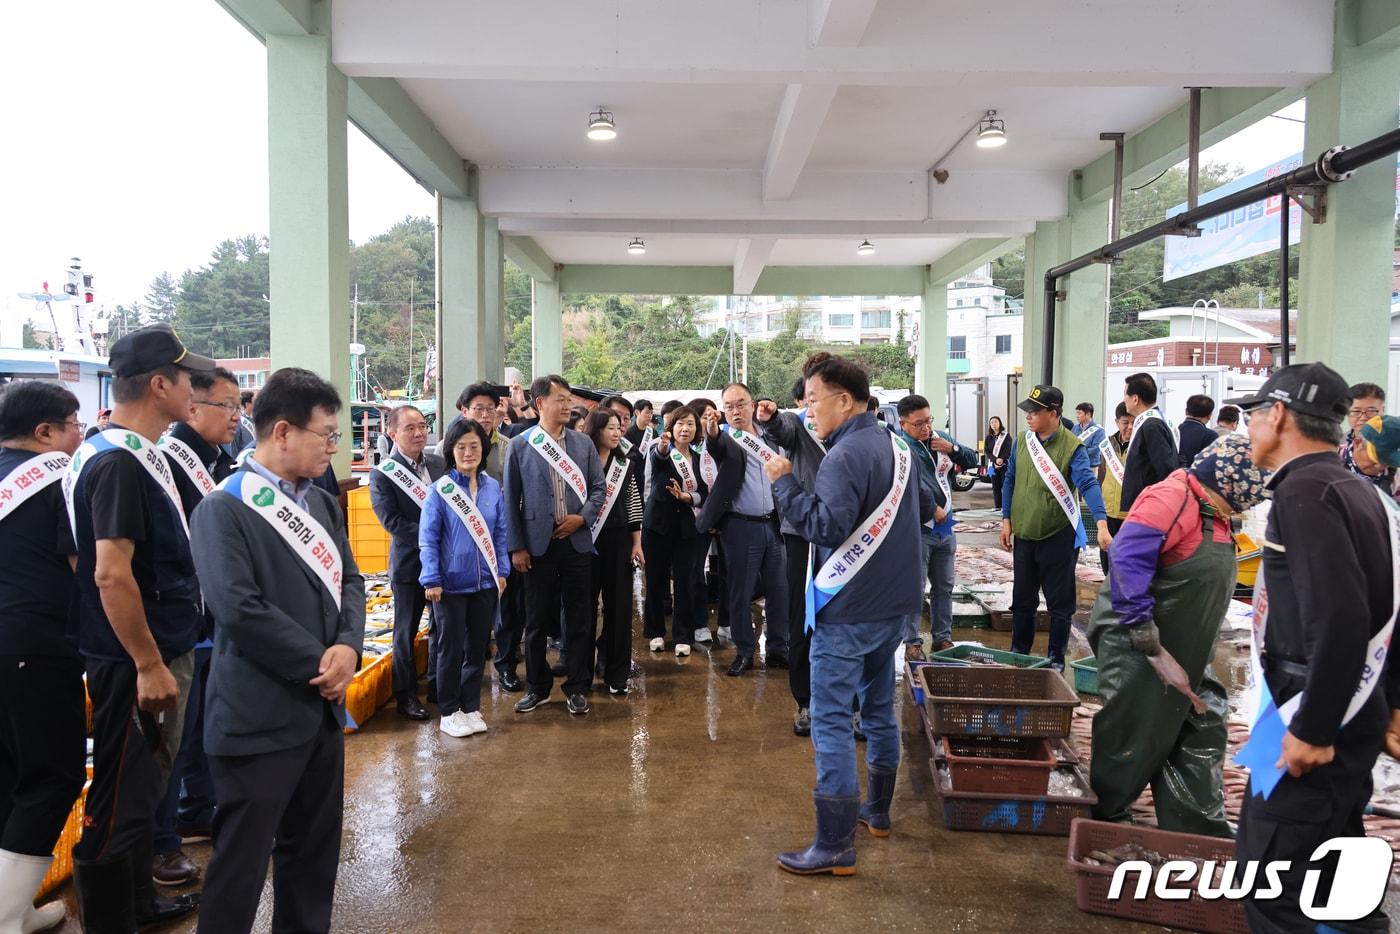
776	660
742	663
410	708
509	682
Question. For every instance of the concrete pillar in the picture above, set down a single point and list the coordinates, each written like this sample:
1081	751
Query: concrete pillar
1345	275
1080	345
546	320
308	218
1047	247
462	354
494	309
931	365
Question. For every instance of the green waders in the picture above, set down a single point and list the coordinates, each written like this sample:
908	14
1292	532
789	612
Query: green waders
1146	731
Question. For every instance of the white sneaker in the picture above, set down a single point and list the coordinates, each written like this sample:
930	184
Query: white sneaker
455	724
475	722
703	634
682	650
658	645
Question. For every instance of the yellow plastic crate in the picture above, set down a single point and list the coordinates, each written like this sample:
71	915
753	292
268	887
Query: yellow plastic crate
369	542
369	690
61	869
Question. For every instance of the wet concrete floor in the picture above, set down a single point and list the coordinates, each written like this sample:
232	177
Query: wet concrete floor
660	811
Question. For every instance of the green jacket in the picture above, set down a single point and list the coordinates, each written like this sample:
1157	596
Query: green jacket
1035	513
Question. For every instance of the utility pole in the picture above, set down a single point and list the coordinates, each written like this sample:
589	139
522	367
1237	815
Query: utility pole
412	293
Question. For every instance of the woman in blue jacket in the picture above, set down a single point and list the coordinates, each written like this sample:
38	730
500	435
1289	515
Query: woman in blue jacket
462	575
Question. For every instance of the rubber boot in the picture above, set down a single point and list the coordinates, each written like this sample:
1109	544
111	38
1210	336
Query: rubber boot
106	900
834	849
150	907
875	812
20	876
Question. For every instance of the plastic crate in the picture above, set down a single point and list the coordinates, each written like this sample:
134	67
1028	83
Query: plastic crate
996	701
420	653
1010	765
976	654
1003	621
61	869
1091	883
1086	675
369	690
1044	815
369	542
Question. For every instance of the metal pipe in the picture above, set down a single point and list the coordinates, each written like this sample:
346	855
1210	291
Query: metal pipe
1193	151
1117	208
1333	166
1283	278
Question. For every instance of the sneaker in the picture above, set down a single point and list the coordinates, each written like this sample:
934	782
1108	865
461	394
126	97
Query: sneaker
802	723
578	704
529	702
475	722
723	634
682	650
703	635
173	869
455	724
658	645
618	690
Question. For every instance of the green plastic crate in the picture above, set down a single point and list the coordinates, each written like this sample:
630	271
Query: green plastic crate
963	653
1086	675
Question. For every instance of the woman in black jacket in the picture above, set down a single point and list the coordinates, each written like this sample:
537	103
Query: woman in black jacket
996	449
617	546
668	531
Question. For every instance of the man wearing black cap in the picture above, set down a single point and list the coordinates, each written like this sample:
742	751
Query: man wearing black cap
136	615
1324	610
1040	514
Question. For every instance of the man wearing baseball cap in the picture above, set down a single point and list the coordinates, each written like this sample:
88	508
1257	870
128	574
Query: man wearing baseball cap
1040	515
136	617
1324	608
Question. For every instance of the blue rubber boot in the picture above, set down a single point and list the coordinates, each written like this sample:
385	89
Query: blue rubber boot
834	849
875	812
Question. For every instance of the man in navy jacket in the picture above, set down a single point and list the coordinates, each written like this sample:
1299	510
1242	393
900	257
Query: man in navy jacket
858	623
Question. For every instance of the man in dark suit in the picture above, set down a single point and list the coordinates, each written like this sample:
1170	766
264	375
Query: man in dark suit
1195	431
554	488
1152	450
397	491
289	610
741	507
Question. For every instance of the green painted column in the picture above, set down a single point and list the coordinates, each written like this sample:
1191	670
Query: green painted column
546	328
1082	323
494	311
931	365
1345	275
463	324
1047	247
308	218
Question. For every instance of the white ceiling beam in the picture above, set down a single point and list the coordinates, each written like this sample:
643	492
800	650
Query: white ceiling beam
723	195
800	119
840	23
1095	43
692	228
749	260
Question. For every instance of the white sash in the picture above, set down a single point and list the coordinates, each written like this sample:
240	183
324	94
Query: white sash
456	497
625	446
242	456
616	471
648	435
805	418
30	478
1055	480
407	480
1141	420
306	537
682	465
860	546
559	461
943	466
189	463
750	443
1376	648
146	454
709	470
1110	459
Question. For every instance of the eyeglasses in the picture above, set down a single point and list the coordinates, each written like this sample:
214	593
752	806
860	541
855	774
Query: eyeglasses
229	407
81	426
1366	413
331	439
921	423
482	409
738	406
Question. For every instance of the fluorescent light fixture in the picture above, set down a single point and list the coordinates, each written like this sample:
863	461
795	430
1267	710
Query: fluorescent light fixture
636	247
991	132
866	248
601	125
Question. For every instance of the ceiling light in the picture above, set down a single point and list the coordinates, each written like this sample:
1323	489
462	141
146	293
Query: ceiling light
991	132
866	248
637	247
600	125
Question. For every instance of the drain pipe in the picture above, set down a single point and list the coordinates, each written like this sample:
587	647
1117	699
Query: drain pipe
1335	165
1117	212
1283	353
1193	150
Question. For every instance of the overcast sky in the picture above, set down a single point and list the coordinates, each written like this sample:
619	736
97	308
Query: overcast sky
136	139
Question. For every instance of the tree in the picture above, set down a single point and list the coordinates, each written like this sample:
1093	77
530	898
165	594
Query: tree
221	307
30	340
162	299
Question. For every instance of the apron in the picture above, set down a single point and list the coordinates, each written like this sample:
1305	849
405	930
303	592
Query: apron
1146	732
